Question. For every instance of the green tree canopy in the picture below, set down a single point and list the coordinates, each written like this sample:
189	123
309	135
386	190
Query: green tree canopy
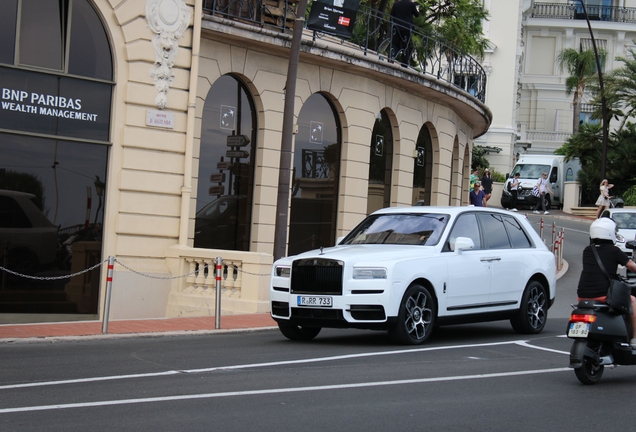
457	21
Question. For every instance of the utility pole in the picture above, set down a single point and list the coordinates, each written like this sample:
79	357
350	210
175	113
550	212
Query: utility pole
282	204
605	123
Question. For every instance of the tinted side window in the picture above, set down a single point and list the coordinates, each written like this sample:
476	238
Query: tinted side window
517	235
465	226
495	236
12	215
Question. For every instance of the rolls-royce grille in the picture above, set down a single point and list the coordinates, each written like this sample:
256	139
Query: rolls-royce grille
317	276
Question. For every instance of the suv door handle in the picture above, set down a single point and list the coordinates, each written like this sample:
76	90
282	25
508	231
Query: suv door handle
489	259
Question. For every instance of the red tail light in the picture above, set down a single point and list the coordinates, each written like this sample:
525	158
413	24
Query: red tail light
583	318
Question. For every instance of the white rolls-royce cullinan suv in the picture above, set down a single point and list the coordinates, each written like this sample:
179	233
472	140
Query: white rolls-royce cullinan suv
409	270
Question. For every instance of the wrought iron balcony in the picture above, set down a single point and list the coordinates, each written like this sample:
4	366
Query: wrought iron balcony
425	53
575	11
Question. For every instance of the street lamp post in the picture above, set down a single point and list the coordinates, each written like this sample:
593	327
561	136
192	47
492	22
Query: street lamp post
605	124
282	204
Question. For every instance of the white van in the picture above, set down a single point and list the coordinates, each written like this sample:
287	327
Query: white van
530	167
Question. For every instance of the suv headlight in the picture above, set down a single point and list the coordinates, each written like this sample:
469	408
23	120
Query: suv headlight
283	271
369	273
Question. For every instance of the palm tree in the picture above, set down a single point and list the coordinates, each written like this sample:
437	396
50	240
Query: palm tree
581	65
621	87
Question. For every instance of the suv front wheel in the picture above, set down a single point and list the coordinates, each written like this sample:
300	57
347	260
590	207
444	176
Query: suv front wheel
416	317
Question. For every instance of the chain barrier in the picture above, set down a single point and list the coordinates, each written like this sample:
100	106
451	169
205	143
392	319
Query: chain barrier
50	278
205	267
235	267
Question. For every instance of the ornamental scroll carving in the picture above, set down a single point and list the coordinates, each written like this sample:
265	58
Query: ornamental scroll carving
168	19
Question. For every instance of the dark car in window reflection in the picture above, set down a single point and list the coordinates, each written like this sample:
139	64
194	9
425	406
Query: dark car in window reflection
221	224
28	239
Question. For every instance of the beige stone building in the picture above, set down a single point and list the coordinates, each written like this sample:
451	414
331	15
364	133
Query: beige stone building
545	111
184	166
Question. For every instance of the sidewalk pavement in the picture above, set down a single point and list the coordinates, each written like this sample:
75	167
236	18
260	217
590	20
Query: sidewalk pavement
162	326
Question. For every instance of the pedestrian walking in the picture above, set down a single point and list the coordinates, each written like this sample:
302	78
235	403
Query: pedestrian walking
486	184
477	197
542	185
603	200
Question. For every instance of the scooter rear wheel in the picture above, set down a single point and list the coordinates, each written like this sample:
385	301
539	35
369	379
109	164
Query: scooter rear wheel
591	371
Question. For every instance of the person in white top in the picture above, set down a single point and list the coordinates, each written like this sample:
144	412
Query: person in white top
542	185
514	190
603	200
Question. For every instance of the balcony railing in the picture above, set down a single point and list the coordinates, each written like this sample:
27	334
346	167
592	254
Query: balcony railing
427	53
575	11
547	136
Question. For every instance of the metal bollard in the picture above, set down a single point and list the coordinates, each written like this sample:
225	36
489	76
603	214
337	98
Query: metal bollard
219	274
553	235
109	288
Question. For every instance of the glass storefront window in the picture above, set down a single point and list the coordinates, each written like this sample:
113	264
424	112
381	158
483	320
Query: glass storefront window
54	144
226	173
423	168
316	176
380	164
89	51
41	34
8	14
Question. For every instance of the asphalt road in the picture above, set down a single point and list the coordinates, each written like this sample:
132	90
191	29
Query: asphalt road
478	377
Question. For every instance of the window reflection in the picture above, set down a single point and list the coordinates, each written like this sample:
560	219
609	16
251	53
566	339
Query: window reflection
41	37
225	187
50	222
8	14
89	52
315	177
380	164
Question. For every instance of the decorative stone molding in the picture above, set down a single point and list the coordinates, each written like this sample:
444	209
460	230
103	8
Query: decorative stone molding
168	19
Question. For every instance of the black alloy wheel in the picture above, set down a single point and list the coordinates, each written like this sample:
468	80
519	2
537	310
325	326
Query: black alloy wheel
416	317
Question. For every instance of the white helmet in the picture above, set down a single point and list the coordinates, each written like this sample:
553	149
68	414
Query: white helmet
603	229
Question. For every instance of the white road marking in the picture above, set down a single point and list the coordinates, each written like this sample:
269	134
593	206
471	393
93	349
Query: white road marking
526	344
274	391
253	365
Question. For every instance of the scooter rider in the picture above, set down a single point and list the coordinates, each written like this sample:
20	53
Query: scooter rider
593	284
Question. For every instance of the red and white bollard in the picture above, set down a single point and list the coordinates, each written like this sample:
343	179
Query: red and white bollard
219	275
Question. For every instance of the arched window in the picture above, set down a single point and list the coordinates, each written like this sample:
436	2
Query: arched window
423	168
226	172
316	175
56	71
380	164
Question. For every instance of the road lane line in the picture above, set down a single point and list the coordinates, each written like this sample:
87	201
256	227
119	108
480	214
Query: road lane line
527	345
249	366
274	391
254	365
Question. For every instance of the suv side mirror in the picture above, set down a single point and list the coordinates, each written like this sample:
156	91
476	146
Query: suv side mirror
463	243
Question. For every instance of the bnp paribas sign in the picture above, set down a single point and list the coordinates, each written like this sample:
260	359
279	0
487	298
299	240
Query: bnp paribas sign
54	105
335	17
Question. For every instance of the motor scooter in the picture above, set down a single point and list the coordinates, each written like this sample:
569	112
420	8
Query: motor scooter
601	336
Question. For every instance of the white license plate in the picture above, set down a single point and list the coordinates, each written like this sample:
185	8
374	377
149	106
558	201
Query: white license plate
315	301
578	330
521	198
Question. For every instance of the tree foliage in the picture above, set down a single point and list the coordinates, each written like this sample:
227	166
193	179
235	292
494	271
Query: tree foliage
457	21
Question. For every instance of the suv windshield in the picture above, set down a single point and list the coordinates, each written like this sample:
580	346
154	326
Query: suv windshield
530	171
411	228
